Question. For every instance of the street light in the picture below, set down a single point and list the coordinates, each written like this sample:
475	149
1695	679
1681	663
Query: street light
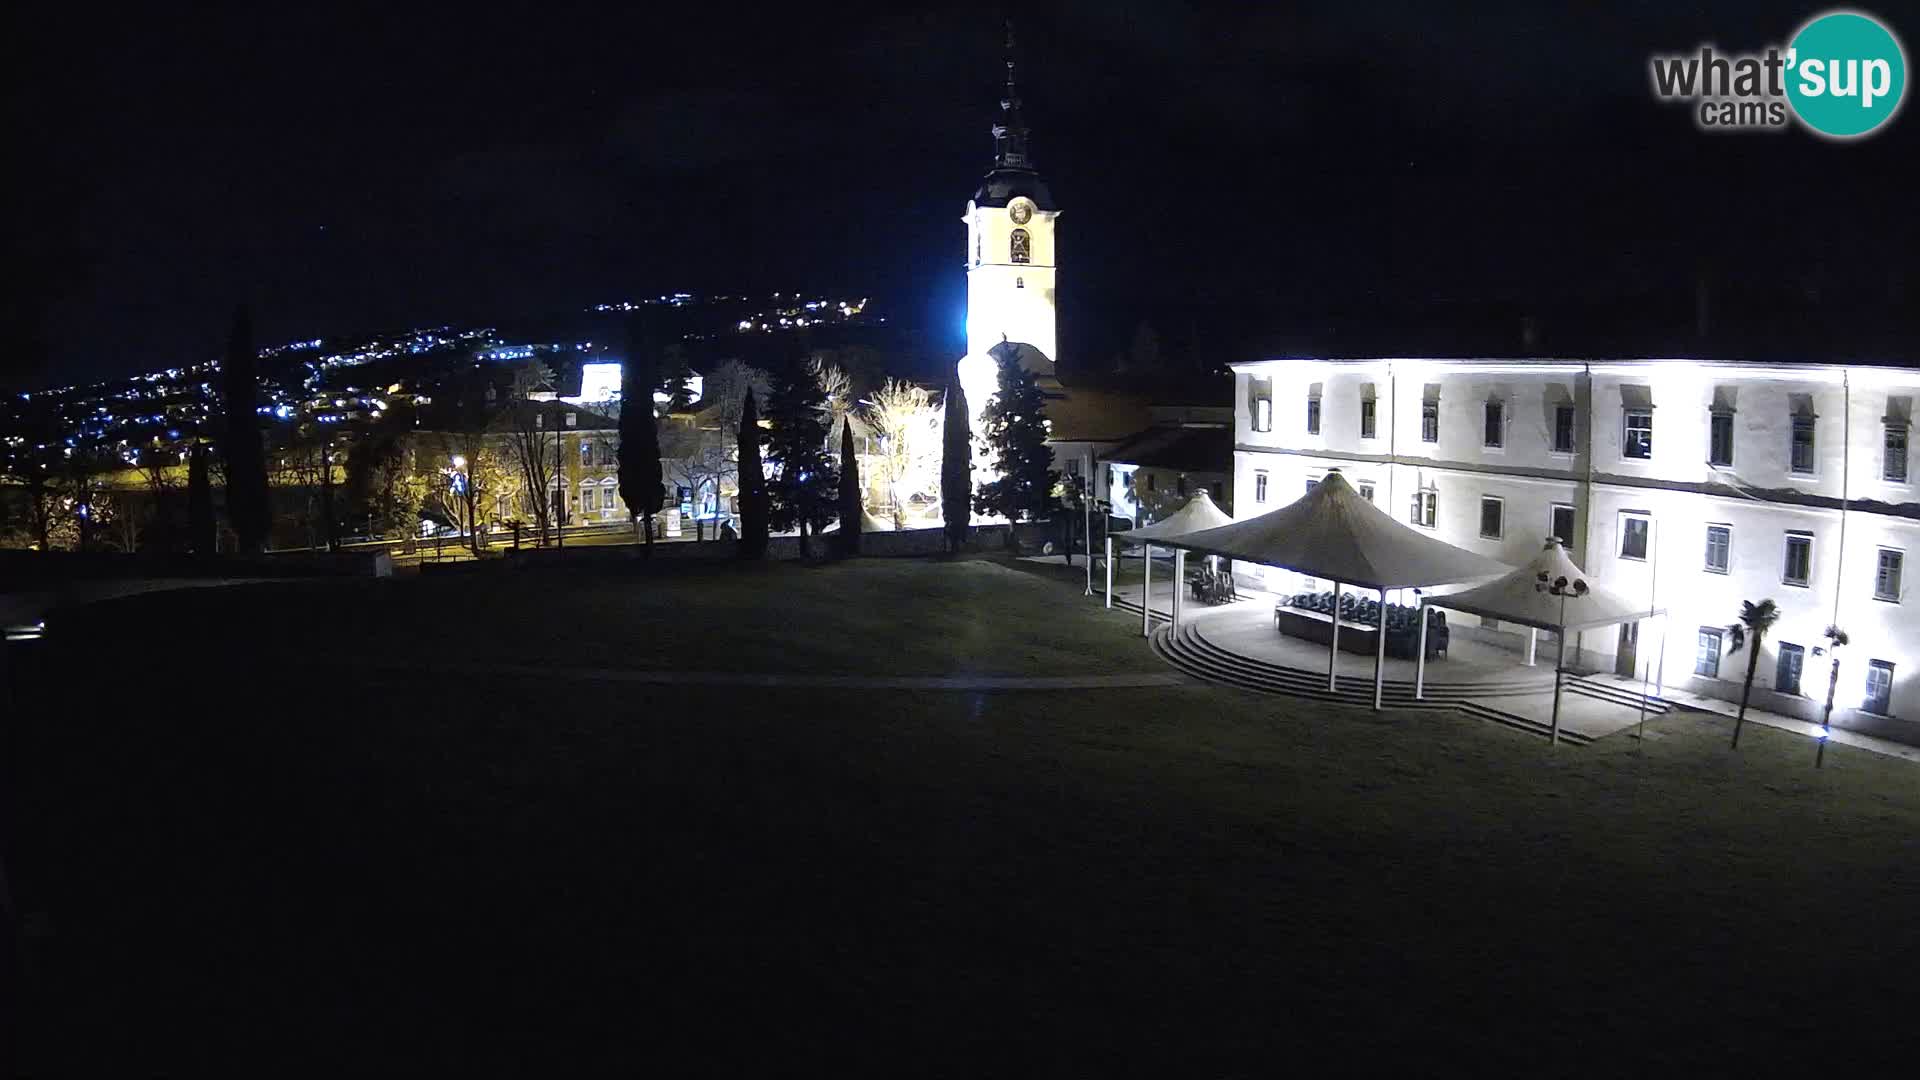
1563	589
466	496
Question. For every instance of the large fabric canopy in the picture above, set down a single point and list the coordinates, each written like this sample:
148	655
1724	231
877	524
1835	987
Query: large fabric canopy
1331	532
1199	513
1518	597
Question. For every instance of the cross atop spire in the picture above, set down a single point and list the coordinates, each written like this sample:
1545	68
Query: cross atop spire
1010	133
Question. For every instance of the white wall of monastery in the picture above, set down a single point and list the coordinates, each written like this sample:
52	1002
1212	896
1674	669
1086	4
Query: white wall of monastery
1759	497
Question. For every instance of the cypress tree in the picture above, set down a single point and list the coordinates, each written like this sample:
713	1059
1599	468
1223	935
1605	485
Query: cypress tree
199	500
640	483
247	505
849	492
1016	431
956	467
752	483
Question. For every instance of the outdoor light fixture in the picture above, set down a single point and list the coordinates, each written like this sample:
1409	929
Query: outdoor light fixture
1562	588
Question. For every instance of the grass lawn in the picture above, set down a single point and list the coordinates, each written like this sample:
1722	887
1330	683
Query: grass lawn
366	868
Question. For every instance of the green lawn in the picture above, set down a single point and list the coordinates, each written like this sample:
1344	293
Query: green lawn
366	868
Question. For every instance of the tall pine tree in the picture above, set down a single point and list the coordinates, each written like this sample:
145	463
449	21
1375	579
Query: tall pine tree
850	505
956	468
752	483
1016	431
640	484
804	489
247	504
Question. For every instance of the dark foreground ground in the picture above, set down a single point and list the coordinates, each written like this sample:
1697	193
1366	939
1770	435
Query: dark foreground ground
303	828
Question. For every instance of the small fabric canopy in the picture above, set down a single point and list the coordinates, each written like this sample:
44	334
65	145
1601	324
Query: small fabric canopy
1520	597
1331	532
1199	513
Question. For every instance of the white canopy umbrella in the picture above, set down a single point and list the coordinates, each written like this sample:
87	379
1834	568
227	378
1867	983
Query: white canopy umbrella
1549	593
1198	513
1331	532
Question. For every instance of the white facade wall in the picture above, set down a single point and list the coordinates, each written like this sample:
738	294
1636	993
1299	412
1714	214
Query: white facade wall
1759	497
1007	300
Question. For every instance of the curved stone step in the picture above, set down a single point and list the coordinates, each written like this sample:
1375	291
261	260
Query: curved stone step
1190	653
1487	689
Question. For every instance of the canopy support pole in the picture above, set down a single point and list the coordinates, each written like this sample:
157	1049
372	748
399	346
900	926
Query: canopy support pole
1380	651
1146	591
1559	665
1109	573
1179	585
1533	644
1333	646
1420	655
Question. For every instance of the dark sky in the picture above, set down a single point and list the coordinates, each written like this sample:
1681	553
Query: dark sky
347	168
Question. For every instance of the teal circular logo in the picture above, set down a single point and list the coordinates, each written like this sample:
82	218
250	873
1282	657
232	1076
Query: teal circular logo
1845	74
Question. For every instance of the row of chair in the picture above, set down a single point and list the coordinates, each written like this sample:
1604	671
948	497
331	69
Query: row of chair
1213	587
1402	622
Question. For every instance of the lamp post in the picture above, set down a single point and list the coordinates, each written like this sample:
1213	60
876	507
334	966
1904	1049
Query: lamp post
1562	588
466	486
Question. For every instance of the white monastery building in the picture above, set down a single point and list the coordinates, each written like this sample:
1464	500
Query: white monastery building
1698	485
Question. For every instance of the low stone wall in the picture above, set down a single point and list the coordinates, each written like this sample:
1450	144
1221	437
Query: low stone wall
907	543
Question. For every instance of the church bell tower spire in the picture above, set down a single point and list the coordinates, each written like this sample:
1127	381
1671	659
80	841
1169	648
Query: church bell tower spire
1010	253
1010	133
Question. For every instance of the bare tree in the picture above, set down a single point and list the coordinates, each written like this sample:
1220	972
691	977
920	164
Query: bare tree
161	470
464	474
908	425
723	397
533	441
298	471
836	395
698	460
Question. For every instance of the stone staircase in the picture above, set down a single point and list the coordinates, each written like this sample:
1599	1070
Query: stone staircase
1191	652
1614	694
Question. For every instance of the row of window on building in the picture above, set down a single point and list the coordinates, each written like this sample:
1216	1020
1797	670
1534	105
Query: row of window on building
1636	531
1636	440
1789	661
594	495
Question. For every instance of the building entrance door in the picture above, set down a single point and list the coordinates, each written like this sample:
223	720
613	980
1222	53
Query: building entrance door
1626	657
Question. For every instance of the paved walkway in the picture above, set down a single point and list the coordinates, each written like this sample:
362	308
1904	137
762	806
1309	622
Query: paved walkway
837	682
1729	709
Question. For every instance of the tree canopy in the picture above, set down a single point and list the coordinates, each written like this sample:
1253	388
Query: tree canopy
1014	428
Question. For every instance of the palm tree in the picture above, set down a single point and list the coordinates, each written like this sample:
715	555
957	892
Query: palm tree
1755	621
1836	640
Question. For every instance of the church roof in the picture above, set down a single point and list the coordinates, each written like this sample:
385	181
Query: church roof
1002	186
1013	174
1095	415
1183	449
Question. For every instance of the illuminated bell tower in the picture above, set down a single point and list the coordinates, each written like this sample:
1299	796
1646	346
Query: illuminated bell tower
1010	250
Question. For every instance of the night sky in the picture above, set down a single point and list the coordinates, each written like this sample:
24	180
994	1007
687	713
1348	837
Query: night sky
1273	176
